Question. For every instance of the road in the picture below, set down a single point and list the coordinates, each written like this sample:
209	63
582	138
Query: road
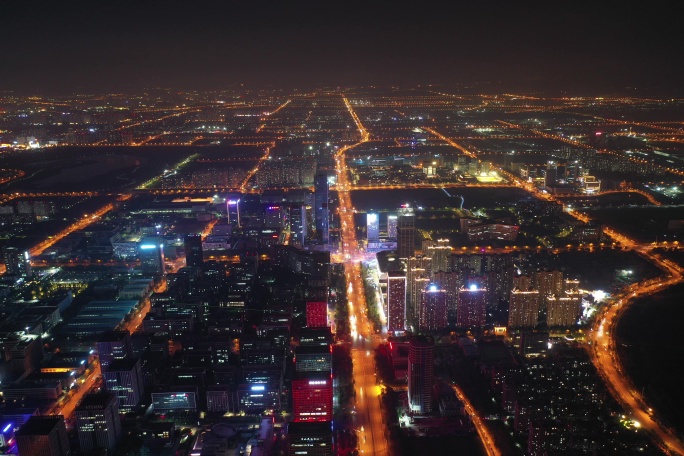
368	418
606	360
485	436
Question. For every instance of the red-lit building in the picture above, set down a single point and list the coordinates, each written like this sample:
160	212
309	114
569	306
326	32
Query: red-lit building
471	309
316	314
433	309
396	302
312	397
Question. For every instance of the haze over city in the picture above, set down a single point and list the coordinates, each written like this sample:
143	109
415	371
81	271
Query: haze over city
327	228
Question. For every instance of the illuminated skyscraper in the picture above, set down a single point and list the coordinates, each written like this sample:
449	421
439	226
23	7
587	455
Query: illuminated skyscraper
471	309
433	309
396	302
194	255
406	232
548	283
151	252
563	310
316	314
440	252
312	397
392	223
321	207
421	373
524	309
372	227
98	423
17	262
124	379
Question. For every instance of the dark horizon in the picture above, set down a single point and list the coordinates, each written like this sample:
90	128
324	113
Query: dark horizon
578	48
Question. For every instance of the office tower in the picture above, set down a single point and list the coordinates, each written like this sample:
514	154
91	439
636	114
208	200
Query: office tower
151	252
273	217
440	252
551	175
321	207
471	311
450	282
406	232
113	345
372	227
313	358
524	309
433	309
193	250
301	226
396	302
392	224
43	436
316	314
17	262
124	379
310	439
233	210
98	422
312	397
421	373
563	310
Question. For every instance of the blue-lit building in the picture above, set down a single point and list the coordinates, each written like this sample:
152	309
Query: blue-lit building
151	253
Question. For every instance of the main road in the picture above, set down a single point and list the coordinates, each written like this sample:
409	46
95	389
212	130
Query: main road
368	419
606	359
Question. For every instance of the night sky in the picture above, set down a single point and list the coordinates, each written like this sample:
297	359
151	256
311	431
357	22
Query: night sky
580	46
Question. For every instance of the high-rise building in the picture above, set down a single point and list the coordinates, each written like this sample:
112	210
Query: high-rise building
310	438
321	207
124	379
471	309
302	227
524	309
312	397
549	282
98	422
316	314
406	232
313	358
151	252
114	345
43	436
440	252
273	217
392	224
551	174
523	282
396	302
17	262
450	282
433	309
194	255
372	227
421	362
563	310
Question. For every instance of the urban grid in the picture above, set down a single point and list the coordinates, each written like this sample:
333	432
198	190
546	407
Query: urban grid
353	269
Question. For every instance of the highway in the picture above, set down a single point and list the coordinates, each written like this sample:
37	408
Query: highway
605	358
